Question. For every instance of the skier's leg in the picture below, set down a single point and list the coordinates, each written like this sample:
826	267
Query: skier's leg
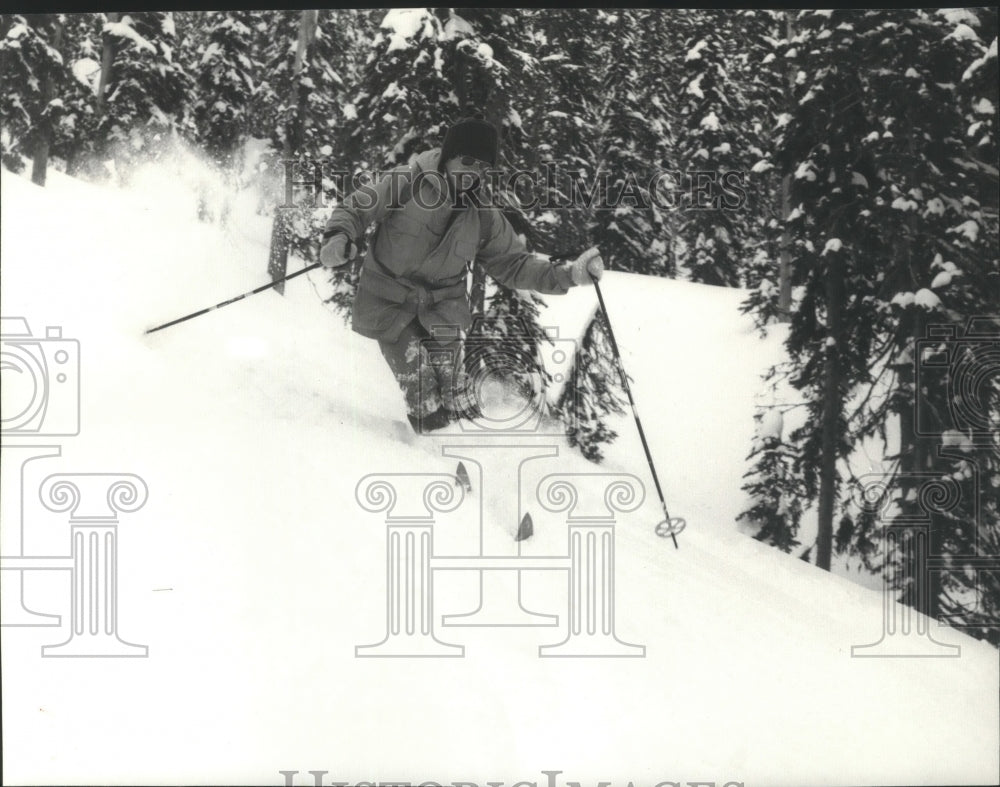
446	358
407	358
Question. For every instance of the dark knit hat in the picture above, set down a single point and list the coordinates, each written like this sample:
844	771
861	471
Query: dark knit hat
470	137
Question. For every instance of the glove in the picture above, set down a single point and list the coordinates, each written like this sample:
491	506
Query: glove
337	251
586	265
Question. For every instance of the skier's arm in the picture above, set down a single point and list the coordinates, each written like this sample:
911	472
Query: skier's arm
366	205
506	259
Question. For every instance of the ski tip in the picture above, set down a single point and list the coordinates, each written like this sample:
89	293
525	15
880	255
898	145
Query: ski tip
462	477
526	529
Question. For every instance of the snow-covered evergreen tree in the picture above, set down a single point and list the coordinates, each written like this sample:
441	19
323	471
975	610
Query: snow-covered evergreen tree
226	80
604	136
767	76
713	149
300	100
562	122
592	392
889	240
147	89
30	65
76	137
630	226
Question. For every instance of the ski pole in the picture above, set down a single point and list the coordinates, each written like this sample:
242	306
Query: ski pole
670	526
233	300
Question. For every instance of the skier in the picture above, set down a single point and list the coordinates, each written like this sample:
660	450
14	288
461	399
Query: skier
411	294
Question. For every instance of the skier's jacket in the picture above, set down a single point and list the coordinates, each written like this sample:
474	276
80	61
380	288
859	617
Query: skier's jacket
415	266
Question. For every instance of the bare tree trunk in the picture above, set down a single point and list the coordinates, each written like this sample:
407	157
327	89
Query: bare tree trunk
307	32
40	161
277	261
832	410
107	59
914	458
785	256
785	261
917	456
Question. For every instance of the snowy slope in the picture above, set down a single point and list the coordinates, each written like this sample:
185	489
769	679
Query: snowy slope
252	573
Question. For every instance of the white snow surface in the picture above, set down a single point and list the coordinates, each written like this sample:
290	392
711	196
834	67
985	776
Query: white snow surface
252	573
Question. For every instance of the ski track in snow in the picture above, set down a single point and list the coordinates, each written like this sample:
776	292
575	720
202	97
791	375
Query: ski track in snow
252	572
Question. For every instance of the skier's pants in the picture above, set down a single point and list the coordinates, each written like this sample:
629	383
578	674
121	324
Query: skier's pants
427	367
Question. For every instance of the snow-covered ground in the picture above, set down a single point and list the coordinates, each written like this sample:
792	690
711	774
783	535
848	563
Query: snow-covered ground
252	572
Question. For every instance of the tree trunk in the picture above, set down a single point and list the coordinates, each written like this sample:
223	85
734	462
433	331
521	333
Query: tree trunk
832	409
785	256
922	589
40	161
277	261
107	59
307	31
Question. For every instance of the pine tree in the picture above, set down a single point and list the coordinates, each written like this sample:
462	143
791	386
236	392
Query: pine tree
629	225
225	84
659	49
565	44
769	79
888	240
607	134
945	205
146	88
775	483
398	109
31	65
301	96
76	137
592	393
